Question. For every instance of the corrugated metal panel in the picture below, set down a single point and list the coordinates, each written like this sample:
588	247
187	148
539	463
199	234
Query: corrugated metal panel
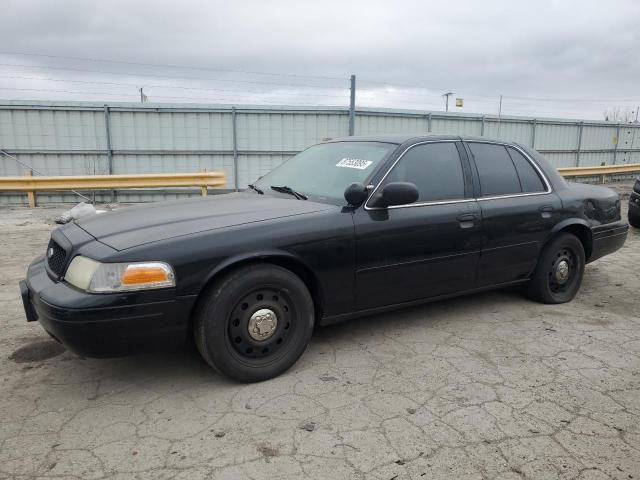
56	164
520	132
628	157
287	131
629	138
561	159
598	137
448	126
52	129
593	159
171	131
556	137
372	124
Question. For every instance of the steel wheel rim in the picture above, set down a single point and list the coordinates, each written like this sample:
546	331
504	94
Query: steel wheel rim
563	271
268	309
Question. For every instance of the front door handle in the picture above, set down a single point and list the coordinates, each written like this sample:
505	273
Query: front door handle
546	211
466	220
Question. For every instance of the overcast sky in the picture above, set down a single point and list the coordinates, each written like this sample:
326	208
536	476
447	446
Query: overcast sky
571	59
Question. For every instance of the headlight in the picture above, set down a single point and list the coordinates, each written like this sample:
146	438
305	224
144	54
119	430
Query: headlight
99	277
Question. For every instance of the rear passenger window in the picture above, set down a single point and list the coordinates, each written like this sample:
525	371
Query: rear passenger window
529	178
434	168
496	171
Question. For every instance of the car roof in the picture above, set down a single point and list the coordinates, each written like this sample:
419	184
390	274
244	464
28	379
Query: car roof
400	138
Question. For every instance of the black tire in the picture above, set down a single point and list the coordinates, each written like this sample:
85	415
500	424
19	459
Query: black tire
223	316
548	283
634	219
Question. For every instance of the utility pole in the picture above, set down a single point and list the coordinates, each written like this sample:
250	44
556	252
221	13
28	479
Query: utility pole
446	96
143	97
352	107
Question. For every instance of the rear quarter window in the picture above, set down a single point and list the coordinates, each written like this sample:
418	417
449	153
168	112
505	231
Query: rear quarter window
529	177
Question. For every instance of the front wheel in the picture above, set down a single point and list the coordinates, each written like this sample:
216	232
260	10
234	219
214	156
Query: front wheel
634	219
558	275
255	322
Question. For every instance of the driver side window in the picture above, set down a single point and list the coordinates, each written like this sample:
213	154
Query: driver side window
434	168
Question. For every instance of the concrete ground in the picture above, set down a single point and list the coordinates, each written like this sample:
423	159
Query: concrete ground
487	386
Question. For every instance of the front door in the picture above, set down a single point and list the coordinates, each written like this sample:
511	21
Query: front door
426	249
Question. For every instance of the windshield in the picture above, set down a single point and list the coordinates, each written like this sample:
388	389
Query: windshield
324	171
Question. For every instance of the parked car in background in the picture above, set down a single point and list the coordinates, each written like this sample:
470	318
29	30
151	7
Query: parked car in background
634	205
345	228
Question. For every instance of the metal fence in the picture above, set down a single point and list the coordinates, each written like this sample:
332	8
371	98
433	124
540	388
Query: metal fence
78	138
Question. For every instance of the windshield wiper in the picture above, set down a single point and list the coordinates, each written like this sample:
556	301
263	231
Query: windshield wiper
290	191
253	187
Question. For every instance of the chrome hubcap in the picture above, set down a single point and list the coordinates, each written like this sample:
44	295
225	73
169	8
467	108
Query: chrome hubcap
562	272
262	324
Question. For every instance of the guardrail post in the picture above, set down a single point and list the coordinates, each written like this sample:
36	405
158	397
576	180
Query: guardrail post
234	130
31	196
615	148
534	124
107	127
204	191
429	123
580	128
482	126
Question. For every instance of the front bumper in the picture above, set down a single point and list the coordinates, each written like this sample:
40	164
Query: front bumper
608	238
110	325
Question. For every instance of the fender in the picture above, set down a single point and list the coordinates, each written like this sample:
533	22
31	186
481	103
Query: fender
568	222
586	238
271	254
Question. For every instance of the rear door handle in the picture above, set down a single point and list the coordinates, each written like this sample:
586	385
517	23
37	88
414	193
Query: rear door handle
466	220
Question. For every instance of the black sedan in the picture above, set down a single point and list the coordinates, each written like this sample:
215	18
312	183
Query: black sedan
345	228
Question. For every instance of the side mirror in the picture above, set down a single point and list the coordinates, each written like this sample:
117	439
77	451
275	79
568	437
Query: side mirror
355	194
397	193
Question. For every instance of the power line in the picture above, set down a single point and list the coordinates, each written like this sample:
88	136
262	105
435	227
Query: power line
186	67
494	97
86	70
17	77
154	96
580	100
67	91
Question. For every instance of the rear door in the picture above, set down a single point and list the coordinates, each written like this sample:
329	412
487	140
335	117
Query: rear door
518	211
425	249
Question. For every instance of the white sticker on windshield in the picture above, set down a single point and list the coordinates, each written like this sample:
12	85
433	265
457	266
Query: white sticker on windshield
354	163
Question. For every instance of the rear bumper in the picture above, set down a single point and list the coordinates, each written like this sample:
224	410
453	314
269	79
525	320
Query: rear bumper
104	325
608	238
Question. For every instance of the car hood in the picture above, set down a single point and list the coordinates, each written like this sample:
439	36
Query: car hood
133	226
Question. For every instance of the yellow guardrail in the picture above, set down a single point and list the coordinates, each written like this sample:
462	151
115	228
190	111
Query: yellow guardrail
600	170
31	184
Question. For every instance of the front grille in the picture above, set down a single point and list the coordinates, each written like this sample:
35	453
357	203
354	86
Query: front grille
56	257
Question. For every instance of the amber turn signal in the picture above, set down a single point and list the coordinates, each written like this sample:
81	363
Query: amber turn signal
139	274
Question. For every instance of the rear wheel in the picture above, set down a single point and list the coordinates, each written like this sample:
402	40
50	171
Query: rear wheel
558	275
255	322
